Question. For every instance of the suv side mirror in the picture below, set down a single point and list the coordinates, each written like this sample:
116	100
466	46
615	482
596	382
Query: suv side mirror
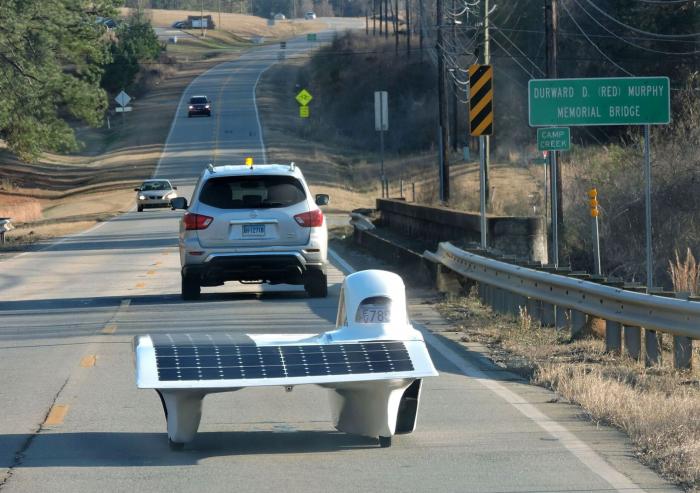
322	199
178	203
174	187
137	189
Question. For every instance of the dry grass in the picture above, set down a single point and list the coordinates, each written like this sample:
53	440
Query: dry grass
659	408
245	26
20	209
685	274
664	425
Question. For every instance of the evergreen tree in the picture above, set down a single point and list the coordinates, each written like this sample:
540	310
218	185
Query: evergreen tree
51	58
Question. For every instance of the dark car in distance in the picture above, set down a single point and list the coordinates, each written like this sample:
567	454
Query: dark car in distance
199	105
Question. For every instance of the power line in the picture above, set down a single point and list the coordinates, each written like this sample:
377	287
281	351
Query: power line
635	45
592	43
521	52
641	31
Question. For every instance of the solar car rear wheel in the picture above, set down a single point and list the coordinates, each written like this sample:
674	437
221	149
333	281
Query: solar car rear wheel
384	442
316	284
175	445
191	289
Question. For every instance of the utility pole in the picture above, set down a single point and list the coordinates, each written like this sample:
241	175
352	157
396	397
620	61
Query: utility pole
551	19
486	139
201	18
421	13
374	17
381	2
408	28
455	112
443	133
386	19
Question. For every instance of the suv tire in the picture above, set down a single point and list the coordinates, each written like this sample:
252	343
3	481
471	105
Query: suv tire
139	208
316	284
191	289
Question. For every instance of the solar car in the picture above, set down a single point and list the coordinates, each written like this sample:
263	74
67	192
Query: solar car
372	364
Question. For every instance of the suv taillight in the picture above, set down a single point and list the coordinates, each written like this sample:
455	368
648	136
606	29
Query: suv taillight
196	221
311	219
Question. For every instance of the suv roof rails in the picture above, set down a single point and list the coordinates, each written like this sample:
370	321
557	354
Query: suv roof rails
291	166
211	168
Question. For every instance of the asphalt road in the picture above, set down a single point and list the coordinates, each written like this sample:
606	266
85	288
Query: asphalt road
73	420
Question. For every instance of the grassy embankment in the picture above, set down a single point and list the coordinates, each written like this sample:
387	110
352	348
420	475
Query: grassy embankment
658	407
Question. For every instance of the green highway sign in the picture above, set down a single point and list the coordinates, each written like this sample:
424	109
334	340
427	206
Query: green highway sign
311	37
605	101
553	139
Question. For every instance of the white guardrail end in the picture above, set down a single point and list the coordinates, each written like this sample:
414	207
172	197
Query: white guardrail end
675	316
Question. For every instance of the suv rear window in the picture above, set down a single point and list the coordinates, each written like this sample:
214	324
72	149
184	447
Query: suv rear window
198	101
252	192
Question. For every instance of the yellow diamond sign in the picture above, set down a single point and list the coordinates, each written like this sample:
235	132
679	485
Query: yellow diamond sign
304	97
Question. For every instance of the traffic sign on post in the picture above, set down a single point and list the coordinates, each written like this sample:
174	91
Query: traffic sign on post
604	101
304	97
553	139
481	100
122	99
303	111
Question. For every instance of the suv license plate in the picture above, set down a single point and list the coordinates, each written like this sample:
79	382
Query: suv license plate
253	230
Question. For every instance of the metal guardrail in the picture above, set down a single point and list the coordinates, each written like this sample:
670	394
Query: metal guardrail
5	226
615	305
361	222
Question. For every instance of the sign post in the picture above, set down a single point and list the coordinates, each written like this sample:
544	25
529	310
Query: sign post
381	124
593	204
481	125
640	101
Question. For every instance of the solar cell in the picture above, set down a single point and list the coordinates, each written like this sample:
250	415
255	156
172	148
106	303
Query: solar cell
205	357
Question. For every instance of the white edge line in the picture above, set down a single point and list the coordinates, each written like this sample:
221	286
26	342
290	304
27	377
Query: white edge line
257	114
588	457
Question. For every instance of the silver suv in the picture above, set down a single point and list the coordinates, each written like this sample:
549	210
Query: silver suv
253	224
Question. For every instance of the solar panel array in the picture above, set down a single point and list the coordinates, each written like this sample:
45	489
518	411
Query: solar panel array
223	360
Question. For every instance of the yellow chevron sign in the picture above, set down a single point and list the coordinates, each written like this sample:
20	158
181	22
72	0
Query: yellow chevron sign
481	100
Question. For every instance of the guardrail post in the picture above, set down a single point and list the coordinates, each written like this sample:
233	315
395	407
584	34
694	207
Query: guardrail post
652	347
682	346
578	322
613	337
548	314
519	302
561	317
534	309
633	341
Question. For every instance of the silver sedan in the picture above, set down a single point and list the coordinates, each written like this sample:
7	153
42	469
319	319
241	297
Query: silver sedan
154	193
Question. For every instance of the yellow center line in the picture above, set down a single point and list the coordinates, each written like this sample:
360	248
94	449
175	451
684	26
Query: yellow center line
218	118
88	361
140	285
56	415
151	273
109	329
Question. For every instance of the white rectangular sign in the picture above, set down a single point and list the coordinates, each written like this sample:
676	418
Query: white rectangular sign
381	110
124	109
200	23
